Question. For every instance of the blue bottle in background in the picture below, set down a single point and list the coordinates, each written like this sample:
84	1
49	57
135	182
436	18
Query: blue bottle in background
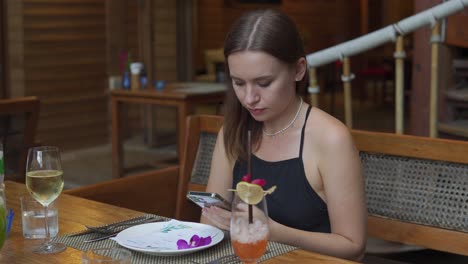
143	79
126	80
159	84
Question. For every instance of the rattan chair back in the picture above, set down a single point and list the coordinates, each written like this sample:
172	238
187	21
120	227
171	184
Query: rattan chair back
417	189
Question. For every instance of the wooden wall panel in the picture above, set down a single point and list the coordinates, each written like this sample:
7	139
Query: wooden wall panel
322	22
64	58
14	56
457	33
131	38
213	20
164	27
61	54
131	28
150	36
126	15
3	74
122	32
164	40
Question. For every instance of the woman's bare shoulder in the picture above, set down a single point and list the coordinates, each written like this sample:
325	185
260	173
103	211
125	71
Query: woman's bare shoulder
325	129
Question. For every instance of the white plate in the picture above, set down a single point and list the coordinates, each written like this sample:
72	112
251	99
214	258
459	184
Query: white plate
161	238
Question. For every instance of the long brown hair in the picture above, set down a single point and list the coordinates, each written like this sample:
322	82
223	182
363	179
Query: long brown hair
269	31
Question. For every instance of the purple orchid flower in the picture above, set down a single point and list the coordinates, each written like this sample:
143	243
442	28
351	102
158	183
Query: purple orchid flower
195	241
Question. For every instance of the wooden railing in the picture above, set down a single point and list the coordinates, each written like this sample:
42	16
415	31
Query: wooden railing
377	38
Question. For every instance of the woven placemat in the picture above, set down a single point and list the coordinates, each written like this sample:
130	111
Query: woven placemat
224	248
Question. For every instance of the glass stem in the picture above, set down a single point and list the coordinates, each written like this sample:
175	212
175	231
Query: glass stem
46	220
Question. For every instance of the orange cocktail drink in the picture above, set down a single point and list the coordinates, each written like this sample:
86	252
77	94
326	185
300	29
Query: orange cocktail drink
250	251
249	240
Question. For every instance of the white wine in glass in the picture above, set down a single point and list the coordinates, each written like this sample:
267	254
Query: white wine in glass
44	180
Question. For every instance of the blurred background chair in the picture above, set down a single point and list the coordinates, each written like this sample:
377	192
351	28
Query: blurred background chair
18	123
214	60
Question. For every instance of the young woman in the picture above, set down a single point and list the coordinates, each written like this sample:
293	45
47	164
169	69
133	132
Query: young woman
319	203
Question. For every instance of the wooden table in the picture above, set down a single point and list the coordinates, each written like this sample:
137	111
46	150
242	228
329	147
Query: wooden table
75	211
183	96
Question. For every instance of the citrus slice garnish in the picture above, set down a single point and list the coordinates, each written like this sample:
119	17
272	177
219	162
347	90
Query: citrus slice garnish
249	193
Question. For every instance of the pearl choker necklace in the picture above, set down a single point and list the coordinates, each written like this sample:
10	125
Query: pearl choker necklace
288	126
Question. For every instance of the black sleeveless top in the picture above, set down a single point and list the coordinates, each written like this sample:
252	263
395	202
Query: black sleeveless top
294	203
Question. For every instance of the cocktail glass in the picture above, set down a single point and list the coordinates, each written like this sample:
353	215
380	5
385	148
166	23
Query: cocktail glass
249	229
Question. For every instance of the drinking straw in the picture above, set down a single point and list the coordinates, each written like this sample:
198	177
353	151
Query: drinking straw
9	219
249	167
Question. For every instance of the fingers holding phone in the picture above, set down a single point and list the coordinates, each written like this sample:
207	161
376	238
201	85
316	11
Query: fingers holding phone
220	217
214	207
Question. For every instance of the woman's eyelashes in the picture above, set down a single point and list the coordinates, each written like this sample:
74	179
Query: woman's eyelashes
238	83
262	84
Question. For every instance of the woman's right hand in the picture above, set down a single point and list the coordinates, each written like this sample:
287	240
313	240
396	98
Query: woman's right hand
218	217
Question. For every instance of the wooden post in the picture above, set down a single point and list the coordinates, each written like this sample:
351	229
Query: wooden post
433	117
145	38
364	23
347	77
14	42
115	34
313	87
399	85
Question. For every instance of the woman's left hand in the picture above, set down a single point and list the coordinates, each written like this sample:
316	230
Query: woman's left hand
219	217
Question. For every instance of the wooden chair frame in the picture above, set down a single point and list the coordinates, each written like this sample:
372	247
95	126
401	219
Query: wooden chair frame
30	106
421	148
196	125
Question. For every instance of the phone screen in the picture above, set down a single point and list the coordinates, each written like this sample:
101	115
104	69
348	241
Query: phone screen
205	199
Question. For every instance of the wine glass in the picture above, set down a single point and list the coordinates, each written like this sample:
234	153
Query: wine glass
44	180
249	229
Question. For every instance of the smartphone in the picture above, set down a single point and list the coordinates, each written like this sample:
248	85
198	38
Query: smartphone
206	199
